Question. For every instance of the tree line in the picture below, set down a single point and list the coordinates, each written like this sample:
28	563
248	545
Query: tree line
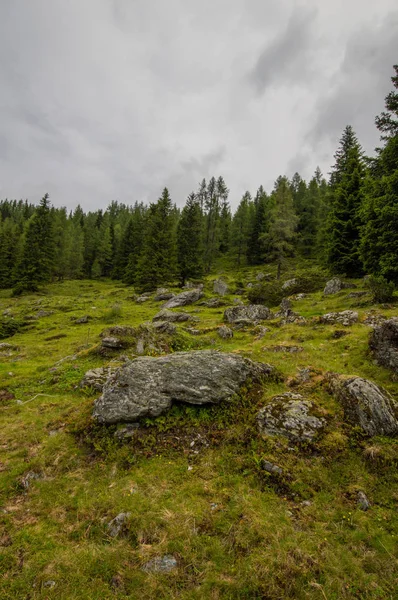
348	222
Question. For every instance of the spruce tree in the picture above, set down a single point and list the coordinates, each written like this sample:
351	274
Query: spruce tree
157	264
190	240
241	229
259	217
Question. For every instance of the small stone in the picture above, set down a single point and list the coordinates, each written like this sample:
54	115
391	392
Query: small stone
118	523
345	317
220	287
225	332
252	312
126	432
289	284
306	503
112	342
49	584
160	564
169	316
82	320
271	468
363	501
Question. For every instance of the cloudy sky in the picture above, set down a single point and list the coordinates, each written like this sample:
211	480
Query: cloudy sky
106	100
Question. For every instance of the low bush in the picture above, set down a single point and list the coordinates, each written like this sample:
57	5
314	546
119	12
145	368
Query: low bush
269	293
381	289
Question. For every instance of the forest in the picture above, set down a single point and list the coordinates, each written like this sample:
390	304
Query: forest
347	222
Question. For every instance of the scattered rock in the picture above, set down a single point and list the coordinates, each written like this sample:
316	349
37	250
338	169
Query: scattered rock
252	312
163	294
346	318
4	347
145	338
384	343
286	304
31	476
165	327
82	320
43	313
363	501
291	416
238	301
373	319
168	316
283	348
127	432
335	285
117	524
366	405
259	331
160	564
192	330
49	584
96	378
220	287
250	286
185	298
112	342
264	276
339	333
148	386
271	468
288	315
306	503
357	294
225	332
143	298
289	284
300	296
214	303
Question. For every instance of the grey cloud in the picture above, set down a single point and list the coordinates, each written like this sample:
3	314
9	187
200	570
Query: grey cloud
287	58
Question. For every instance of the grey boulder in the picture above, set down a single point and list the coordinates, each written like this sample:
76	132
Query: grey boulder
185	298
168	316
148	386
384	343
220	287
365	404
252	312
345	317
225	332
96	378
291	416
335	285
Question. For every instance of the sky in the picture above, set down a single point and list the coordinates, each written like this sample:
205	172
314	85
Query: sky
105	100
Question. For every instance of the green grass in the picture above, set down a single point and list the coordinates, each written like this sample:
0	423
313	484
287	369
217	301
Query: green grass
236	531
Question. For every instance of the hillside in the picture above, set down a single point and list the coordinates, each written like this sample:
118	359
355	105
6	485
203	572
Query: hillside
194	484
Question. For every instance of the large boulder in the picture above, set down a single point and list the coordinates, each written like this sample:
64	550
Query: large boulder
291	416
185	298
335	285
252	313
220	287
366	404
384	343
225	332
163	294
148	386
96	378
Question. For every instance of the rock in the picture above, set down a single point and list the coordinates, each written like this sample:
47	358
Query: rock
165	327
252	312
283	348
238	301
163	294
112	342
264	276
126	432
117	524
220	287
143	298
335	285
96	378
300	296
43	313
160	564
289	284
225	332
7	349
49	584
250	286
363	501
271	468
346	318
374	320
82	320
259	331
366	405
291	416
192	330
306	503
356	294
185	298
384	343
31	476
214	303
144	338
286	305
148	386
171	317
288	315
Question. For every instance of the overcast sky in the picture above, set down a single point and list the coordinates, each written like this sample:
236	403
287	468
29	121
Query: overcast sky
106	100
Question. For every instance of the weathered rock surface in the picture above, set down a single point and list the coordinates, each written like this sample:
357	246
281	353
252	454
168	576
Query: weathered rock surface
168	316
363	501
335	285
185	298
147	386
290	283
287	314
96	378
82	320
291	416
264	276
366	404
271	467
252	312
220	287
144	338
163	294
283	348
345	317
384	343
225	332
113	343
143	298
214	303
165	327
117	524
160	564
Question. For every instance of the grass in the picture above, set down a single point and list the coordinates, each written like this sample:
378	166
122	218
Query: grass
236	531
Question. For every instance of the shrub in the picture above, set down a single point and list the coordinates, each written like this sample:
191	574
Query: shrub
9	327
381	289
113	314
269	293
313	281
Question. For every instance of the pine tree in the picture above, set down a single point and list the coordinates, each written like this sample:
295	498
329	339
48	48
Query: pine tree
241	229
9	237
279	240
259	217
37	258
344	221
157	263
190	240
379	242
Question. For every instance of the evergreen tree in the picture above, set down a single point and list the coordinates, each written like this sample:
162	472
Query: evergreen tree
37	259
241	229
259	217
282	228
157	263
344	221
190	240
9	237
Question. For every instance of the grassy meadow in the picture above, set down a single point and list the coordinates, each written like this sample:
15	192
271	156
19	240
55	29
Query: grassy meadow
192	479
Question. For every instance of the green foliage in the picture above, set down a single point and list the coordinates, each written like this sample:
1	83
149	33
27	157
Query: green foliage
269	293
9	327
114	314
190	240
381	289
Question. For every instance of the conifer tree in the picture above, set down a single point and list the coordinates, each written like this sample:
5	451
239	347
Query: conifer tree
259	217
190	240
241	229
157	264
8	246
